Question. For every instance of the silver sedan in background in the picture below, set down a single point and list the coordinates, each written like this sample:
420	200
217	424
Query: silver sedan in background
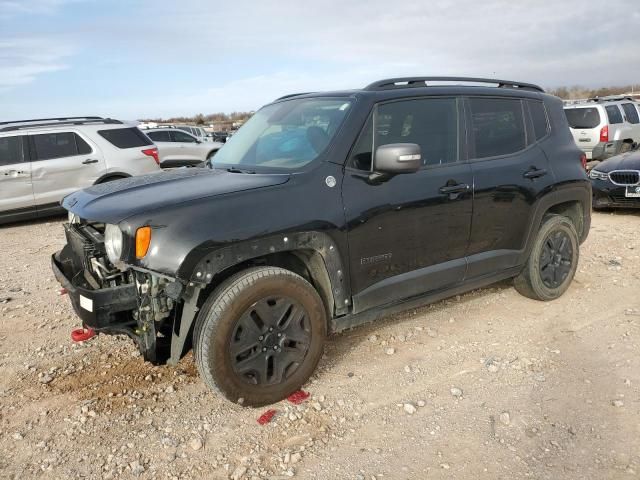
178	148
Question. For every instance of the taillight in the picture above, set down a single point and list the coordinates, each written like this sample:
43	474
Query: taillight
152	152
604	133
583	160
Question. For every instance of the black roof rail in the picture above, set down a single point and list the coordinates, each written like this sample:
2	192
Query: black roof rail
24	124
409	82
292	95
50	119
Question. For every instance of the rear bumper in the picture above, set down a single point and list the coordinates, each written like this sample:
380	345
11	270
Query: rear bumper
105	310
603	150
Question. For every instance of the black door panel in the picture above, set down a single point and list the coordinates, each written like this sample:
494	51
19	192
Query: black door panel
406	225
506	187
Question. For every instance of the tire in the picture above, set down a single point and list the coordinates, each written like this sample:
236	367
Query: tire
552	262
211	154
626	147
234	348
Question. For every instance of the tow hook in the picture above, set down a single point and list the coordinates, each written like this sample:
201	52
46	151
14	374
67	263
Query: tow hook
82	334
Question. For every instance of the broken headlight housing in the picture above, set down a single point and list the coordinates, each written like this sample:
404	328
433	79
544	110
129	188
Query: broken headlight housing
113	241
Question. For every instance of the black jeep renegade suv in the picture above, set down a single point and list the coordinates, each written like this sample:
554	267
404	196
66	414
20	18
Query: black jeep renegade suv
324	211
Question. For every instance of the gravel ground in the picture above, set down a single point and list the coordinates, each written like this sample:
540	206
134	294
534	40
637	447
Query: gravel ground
484	385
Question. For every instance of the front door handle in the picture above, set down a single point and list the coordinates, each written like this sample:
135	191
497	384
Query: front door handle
89	161
452	189
534	173
14	173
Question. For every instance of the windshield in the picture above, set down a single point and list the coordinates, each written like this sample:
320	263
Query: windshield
582	117
286	135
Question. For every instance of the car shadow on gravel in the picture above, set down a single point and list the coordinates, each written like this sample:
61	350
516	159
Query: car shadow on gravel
34	222
341	344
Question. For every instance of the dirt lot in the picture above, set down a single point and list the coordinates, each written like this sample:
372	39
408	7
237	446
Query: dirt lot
486	385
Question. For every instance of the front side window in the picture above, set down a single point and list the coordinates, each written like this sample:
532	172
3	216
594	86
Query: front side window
11	150
431	123
497	126
284	135
613	112
182	137
631	113
582	118
59	145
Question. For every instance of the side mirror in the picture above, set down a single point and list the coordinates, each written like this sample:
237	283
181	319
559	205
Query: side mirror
396	158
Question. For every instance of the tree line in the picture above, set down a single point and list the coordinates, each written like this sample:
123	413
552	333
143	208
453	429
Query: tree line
578	92
202	119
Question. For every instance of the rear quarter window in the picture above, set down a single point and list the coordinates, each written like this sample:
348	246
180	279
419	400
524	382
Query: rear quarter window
614	114
125	137
538	118
582	117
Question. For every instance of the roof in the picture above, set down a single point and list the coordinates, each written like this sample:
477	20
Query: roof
410	86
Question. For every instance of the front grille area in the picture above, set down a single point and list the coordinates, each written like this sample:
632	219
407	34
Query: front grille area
620	199
625	177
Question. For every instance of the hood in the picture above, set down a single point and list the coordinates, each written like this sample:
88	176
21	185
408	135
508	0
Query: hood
626	161
115	201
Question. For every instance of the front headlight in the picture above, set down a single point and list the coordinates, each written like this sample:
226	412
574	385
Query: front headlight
596	175
73	218
113	242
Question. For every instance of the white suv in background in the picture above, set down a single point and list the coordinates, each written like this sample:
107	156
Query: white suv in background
606	126
41	161
181	149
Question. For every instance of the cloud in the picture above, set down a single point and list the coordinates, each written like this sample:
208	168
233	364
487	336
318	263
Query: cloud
23	59
10	8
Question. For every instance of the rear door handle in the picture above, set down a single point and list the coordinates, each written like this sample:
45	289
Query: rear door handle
451	189
535	173
89	160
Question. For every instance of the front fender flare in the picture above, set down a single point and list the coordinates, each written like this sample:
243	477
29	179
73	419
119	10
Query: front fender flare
220	259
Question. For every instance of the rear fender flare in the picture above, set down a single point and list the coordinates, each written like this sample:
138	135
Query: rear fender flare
218	260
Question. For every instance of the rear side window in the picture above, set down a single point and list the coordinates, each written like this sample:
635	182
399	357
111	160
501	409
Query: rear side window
582	117
59	145
125	137
538	118
631	113
613	112
497	126
11	150
159	136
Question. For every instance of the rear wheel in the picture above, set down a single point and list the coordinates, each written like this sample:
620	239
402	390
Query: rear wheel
260	335
552	262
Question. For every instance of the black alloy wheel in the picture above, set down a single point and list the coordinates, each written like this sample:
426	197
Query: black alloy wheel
556	259
270	341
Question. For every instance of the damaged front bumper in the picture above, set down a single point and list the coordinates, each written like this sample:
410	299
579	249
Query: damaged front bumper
101	310
139	304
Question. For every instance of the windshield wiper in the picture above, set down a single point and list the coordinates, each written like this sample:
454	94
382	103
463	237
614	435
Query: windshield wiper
237	170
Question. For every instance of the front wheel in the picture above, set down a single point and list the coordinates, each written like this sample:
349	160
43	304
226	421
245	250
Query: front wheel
260	335
552	262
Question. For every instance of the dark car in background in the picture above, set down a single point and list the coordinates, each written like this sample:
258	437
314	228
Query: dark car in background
616	181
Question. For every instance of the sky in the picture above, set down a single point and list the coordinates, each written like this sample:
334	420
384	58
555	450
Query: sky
132	59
